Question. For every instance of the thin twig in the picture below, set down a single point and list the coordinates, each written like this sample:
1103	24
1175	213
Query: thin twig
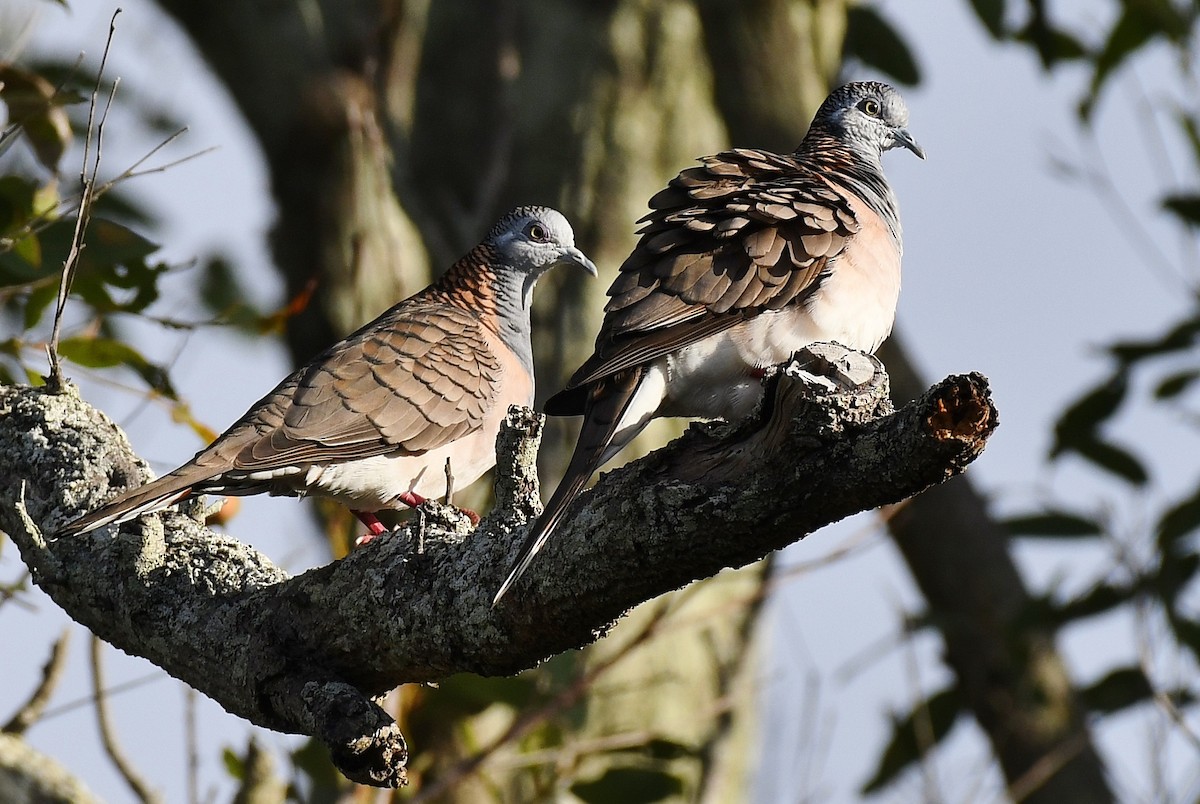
1146	663
9	591
191	744
922	723
111	692
70	203
108	735
132	172
33	709
71	264
1046	767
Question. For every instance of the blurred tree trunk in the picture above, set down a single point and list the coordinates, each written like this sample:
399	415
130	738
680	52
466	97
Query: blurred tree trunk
1009	673
396	131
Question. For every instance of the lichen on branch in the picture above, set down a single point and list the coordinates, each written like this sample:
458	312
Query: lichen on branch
307	653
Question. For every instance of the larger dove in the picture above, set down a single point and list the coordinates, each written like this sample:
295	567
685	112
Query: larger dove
741	262
372	421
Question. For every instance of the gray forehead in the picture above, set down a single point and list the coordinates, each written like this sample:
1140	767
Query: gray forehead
555	223
558	226
894	110
846	98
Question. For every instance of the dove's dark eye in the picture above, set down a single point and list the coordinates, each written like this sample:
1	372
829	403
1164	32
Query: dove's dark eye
537	233
870	106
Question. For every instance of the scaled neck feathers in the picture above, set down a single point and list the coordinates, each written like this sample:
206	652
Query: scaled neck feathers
858	169
495	296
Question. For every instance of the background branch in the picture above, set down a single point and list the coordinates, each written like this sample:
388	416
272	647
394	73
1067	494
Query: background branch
108	734
31	711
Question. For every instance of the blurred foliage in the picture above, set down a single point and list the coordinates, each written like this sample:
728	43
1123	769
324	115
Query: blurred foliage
117	273
1157	372
871	40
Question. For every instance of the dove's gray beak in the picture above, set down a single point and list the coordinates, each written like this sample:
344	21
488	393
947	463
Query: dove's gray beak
905	139
573	256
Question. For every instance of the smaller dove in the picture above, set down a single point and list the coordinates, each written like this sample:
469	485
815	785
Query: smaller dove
372	421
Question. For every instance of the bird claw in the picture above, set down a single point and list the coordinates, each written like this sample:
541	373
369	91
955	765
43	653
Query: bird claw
374	527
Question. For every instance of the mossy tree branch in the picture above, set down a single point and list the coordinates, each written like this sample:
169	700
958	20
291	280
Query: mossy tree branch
307	653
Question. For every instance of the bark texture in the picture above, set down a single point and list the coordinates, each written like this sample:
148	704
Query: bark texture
307	653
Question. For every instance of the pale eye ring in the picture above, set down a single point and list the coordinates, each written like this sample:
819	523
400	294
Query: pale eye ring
871	107
537	233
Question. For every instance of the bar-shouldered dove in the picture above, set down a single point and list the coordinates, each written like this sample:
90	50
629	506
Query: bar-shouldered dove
741	262
372	421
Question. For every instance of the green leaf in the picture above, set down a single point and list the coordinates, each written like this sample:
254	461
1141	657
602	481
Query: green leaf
659	748
1131	32
233	763
1052	44
629	786
1185	206
15	270
1139	25
1187	631
1079	422
36	107
1191	130
29	249
1179	338
38	300
872	40
1120	689
991	14
908	743
113	244
313	760
224	297
471	694
1114	459
1053	524
1100	599
17	196
1175	573
107	353
114	259
1176	384
1178	521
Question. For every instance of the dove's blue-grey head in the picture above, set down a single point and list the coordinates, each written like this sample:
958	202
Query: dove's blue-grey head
868	116
531	240
527	242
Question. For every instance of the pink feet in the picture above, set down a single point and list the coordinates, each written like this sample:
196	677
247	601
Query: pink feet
413	500
377	528
374	527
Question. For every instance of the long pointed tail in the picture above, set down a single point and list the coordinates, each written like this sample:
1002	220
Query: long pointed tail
607	403
154	496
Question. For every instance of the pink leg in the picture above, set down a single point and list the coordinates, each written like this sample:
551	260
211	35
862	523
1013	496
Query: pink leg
374	527
412	500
